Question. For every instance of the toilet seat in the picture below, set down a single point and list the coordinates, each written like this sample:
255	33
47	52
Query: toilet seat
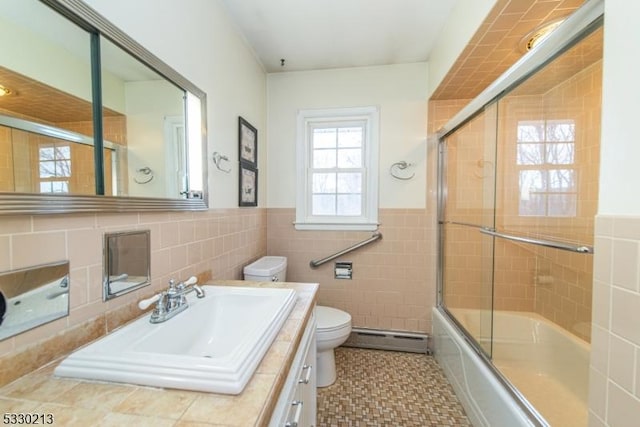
331	319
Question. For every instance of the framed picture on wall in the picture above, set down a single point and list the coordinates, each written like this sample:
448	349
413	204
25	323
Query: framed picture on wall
248	143
248	185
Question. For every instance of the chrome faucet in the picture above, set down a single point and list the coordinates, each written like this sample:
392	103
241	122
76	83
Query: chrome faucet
172	301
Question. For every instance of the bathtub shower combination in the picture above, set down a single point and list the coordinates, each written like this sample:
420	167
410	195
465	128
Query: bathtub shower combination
518	190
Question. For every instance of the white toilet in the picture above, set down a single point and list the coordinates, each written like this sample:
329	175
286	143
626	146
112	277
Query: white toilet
334	326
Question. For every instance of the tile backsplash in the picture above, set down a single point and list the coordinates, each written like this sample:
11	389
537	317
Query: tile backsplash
214	244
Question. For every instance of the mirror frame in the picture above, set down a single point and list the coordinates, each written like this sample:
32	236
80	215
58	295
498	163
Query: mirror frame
31	203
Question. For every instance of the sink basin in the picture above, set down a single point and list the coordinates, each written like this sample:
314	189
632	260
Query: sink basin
214	345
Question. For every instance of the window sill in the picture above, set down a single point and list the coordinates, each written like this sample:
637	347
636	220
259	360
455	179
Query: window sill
336	227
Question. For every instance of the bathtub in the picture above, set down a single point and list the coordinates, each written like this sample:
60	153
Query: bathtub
546	364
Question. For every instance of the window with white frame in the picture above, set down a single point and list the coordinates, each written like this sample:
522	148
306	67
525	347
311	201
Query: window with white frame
546	161
55	167
337	154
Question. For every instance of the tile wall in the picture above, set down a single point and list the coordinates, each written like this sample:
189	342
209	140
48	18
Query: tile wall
214	244
614	394
392	287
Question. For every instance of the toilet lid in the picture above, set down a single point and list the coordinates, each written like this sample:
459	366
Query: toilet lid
329	318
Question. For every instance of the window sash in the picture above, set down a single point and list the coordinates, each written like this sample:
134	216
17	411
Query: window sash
351	210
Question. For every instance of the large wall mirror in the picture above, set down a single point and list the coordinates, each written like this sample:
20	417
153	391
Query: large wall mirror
90	120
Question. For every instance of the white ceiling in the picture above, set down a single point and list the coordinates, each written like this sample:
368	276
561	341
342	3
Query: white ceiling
320	34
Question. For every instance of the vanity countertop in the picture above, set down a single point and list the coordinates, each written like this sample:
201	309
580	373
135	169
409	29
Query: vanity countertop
72	402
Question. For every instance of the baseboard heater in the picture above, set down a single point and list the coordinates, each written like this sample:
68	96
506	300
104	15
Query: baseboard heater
388	340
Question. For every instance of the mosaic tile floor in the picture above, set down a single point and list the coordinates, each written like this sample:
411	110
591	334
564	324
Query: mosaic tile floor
387	388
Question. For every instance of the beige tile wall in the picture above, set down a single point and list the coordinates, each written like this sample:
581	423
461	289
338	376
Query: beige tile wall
6	160
614	387
391	289
214	244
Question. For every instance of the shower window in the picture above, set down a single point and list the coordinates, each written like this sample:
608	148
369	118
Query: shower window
55	168
545	158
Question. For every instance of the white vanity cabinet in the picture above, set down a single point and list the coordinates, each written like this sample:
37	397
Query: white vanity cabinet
296	405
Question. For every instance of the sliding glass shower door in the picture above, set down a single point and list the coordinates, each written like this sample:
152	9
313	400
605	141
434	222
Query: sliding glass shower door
518	197
469	171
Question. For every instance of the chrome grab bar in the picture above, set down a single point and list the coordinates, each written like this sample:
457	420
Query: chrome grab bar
375	236
583	249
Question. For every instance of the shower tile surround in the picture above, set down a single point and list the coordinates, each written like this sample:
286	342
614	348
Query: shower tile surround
212	245
388	288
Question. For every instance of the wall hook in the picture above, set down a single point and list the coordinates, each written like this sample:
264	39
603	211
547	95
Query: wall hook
146	173
217	159
396	170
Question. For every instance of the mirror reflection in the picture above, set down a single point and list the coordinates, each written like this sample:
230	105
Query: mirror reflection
33	296
47	137
149	130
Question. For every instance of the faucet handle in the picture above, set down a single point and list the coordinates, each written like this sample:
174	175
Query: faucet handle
191	281
146	303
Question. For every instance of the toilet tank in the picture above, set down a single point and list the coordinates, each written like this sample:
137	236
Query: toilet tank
267	269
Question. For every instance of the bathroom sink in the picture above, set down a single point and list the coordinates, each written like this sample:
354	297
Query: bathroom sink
214	345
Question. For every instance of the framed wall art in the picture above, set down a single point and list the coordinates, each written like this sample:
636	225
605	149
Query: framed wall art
248	143
248	185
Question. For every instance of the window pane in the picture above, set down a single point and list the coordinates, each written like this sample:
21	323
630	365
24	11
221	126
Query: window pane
324	159
350	158
45	187
561	153
60	187
350	183
350	137
561	180
531	181
46	153
63	168
349	204
47	169
323	204
562	204
530	154
324	138
323	183
531	132
561	130
534	205
63	152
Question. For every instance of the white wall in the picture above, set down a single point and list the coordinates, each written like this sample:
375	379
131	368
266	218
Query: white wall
619	171
462	23
399	90
148	103
197	38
